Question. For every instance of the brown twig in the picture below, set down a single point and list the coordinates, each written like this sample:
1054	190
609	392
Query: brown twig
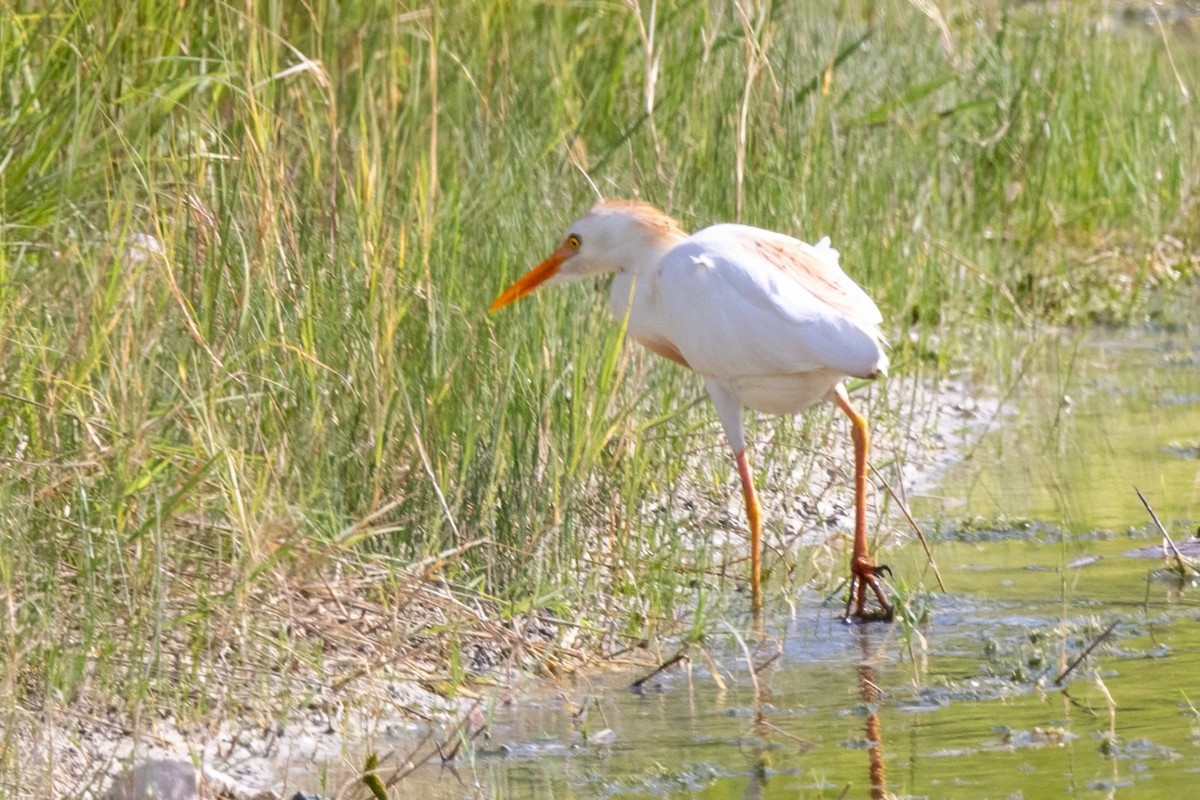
804	744
771	659
1184	566
713	670
670	662
460	734
1086	651
912	523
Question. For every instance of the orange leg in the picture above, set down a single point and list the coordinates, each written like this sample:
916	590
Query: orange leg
754	517
863	572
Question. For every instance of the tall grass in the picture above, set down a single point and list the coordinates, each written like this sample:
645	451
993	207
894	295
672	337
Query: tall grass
246	252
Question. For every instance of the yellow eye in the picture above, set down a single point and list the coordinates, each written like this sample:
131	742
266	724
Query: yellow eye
573	242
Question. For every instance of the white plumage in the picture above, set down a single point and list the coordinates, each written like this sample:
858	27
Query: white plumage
769	322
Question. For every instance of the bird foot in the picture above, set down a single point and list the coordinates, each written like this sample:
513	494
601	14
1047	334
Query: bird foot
864	575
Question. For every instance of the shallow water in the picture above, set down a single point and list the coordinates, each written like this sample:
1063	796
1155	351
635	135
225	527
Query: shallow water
1032	534
1087	419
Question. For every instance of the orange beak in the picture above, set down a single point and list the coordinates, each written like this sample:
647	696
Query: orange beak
531	280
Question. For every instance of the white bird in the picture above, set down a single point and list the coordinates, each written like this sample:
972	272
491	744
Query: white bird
769	322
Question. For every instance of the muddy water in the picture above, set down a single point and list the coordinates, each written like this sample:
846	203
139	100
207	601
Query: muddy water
1032	529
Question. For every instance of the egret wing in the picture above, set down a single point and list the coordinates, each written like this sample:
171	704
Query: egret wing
816	268
746	302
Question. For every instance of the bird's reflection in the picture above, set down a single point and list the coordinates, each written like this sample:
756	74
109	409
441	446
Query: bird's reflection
869	691
766	655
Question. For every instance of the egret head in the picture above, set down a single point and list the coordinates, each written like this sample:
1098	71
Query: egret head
613	236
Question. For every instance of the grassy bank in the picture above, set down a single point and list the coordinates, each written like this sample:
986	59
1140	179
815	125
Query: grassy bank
246	252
